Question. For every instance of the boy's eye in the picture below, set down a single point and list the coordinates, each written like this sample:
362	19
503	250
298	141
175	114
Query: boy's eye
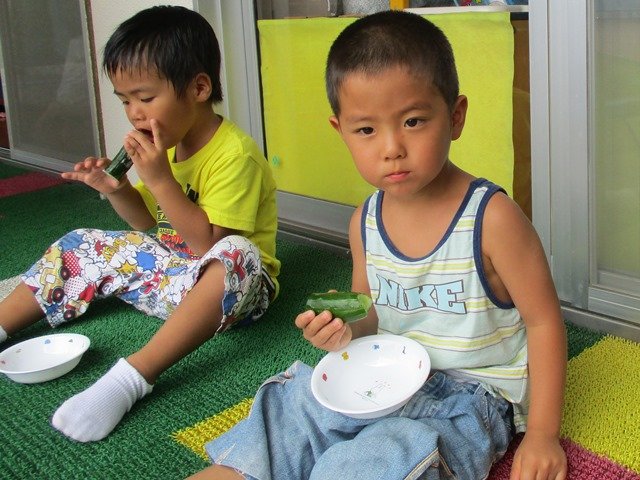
413	122
365	130
147	100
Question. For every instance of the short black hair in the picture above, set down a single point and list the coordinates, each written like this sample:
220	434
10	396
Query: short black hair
175	41
389	39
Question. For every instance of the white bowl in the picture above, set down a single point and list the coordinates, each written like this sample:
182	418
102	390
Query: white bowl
373	376
43	358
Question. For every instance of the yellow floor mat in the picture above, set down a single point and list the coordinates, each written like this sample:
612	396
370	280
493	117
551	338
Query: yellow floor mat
195	437
601	406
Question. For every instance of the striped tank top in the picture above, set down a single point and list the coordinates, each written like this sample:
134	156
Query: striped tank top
444	301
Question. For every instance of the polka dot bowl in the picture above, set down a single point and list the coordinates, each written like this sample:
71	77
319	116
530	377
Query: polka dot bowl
372	376
43	358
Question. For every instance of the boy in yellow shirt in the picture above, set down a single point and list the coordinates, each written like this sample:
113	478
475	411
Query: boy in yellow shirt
204	184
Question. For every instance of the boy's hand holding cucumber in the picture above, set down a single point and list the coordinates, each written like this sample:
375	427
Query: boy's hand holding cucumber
347	306
319	322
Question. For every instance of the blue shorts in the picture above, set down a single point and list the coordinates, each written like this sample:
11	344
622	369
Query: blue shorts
448	429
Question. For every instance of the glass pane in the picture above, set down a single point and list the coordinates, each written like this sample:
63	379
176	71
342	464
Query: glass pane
47	82
616	144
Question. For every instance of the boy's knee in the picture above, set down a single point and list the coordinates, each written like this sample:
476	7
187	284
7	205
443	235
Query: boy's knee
235	243
213	272
239	255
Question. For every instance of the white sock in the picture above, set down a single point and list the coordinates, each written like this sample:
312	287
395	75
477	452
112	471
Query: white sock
92	414
3	335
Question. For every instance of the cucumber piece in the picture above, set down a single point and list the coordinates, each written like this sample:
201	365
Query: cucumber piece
348	306
120	165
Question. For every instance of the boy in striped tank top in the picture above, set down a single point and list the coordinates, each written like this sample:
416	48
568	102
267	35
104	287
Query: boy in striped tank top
450	261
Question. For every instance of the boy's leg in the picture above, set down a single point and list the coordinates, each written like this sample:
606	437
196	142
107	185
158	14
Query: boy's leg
18	310
229	287
193	322
42	288
448	429
67	278
391	447
286	431
216	472
92	414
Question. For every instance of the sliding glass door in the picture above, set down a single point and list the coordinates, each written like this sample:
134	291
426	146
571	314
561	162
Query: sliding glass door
586	156
47	83
614	113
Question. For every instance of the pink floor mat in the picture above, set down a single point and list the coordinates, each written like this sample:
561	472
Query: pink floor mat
27	182
583	464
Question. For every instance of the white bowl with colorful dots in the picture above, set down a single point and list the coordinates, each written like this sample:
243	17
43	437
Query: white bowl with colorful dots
43	358
372	376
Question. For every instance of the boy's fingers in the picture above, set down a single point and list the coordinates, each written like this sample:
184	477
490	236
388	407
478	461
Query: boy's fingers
69	175
562	474
304	318
130	147
515	469
323	334
155	132
335	339
313	327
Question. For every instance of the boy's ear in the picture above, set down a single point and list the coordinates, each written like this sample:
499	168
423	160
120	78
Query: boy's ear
202	87
335	123
458	117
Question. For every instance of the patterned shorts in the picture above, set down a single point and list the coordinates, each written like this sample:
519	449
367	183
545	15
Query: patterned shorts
89	264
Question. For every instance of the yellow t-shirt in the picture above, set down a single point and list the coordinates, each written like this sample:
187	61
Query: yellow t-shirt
230	179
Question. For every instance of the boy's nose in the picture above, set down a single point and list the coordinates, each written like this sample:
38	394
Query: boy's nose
393	146
136	113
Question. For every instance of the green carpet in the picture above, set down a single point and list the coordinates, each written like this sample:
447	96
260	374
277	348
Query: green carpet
8	171
220	375
30	222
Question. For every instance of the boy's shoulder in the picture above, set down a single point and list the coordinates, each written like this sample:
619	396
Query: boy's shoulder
502	209
234	152
228	145
230	137
506	227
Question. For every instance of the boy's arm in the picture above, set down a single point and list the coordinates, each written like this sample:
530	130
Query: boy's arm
513	252
185	216
124	199
328	333
128	204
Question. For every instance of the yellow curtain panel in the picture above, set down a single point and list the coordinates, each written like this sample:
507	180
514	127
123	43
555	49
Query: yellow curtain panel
308	157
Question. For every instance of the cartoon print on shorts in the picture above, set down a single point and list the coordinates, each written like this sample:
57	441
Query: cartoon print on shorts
236	273
51	278
87	263
147	274
242	292
71	240
62	288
